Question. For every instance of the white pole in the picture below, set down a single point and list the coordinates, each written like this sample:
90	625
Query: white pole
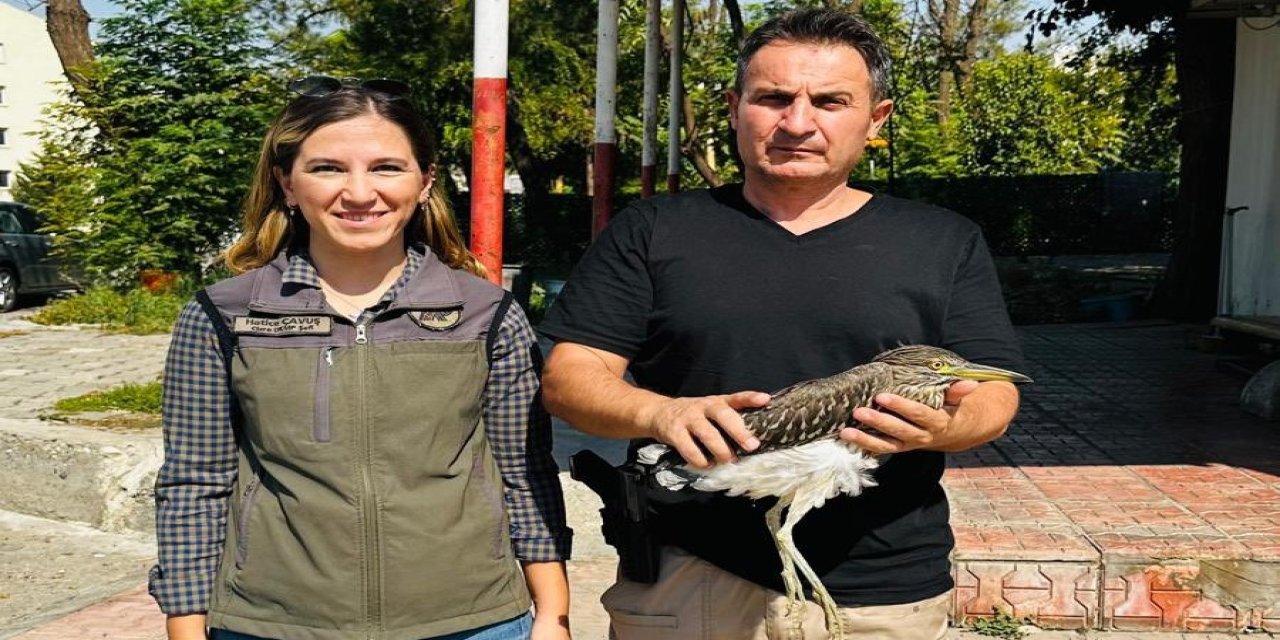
649	152
676	92
490	48
606	108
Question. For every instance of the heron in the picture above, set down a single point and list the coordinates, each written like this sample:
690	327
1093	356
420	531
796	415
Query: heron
801	459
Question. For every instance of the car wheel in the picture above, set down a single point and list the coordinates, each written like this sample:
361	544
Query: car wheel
8	289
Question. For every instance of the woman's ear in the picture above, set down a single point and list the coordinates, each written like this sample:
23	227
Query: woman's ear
285	185
430	180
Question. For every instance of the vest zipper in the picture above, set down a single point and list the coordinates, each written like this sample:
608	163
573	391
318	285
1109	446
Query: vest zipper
373	568
242	530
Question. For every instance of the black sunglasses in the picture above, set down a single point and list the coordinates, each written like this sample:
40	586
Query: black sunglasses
321	86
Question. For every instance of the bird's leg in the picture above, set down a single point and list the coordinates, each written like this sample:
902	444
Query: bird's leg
795	592
830	610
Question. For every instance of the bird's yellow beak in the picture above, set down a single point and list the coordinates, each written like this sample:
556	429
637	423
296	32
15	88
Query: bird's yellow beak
982	372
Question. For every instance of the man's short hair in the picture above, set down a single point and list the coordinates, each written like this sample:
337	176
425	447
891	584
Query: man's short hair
824	27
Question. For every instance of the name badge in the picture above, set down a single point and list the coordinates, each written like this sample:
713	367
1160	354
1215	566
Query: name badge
285	326
437	320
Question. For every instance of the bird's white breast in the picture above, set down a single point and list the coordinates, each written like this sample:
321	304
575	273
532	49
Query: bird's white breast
830	463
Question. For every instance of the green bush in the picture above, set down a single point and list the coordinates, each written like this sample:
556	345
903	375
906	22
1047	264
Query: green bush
138	398
1002	625
136	311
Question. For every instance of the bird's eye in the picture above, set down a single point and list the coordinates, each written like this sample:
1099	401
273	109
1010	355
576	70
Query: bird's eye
936	365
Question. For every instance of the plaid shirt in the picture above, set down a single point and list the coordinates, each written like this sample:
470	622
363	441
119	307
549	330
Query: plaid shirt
195	483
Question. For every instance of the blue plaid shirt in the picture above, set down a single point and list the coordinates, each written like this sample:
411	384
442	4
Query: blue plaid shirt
199	471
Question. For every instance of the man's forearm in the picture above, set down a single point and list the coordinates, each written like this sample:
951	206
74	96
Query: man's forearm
982	416
586	389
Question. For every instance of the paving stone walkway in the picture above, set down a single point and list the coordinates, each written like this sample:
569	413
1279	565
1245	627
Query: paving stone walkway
40	365
1132	494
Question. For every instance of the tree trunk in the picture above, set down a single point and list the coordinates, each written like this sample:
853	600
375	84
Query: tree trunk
1204	57
692	150
946	16
977	32
68	26
735	20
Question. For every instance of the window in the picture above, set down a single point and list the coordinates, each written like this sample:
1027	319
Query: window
1	53
4	179
1	94
9	223
3	138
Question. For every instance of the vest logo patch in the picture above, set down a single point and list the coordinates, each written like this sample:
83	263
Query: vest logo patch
437	320
285	326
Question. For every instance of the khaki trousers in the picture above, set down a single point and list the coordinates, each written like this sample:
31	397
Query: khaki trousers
696	600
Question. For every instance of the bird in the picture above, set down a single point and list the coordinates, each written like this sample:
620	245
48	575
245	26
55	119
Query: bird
801	459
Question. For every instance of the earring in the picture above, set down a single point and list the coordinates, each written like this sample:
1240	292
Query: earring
293	211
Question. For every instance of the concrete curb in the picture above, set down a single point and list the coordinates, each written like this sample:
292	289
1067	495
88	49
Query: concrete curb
99	478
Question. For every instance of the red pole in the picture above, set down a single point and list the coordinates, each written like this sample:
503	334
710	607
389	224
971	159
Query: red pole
604	160
489	135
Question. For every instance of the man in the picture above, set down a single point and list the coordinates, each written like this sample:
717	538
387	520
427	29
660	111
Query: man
710	298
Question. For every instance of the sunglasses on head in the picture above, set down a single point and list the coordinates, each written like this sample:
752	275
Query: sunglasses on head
321	86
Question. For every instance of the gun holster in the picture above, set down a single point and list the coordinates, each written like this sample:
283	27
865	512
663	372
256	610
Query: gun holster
625	514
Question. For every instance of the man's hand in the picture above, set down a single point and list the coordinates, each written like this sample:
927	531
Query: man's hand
904	425
686	423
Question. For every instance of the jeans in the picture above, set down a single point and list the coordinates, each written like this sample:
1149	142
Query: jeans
514	629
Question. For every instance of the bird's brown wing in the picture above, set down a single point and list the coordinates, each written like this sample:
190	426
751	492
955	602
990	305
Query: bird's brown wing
814	409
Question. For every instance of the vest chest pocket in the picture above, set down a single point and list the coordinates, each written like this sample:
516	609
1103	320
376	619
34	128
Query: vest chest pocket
287	396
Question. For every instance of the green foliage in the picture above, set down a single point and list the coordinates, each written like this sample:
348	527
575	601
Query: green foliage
148	168
136	311
1002	625
138	398
1021	115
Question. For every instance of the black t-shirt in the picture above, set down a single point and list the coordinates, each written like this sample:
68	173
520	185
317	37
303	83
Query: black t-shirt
705	295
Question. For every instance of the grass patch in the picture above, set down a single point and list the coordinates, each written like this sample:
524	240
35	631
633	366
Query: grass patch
136	398
1002	625
136	311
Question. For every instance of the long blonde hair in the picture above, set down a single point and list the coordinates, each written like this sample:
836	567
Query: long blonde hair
267	225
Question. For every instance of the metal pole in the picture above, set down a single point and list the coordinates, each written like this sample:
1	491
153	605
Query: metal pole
676	92
488	134
649	154
606	147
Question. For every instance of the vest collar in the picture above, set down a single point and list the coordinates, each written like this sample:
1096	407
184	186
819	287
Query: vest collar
432	286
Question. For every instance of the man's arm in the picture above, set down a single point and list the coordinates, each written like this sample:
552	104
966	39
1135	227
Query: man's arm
585	387
974	414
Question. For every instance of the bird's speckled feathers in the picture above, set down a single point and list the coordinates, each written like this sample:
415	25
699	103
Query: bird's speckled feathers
816	409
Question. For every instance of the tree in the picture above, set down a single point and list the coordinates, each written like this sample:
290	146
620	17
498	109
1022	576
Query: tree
1022	116
179	100
1203	51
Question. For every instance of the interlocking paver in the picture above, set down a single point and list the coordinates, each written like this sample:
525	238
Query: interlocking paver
58	362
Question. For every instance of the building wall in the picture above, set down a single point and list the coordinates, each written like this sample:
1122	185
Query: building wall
30	74
1254	178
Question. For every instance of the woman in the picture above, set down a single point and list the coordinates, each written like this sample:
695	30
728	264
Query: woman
353	441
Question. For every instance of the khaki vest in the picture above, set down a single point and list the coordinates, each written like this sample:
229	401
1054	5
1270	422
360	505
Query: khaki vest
368	503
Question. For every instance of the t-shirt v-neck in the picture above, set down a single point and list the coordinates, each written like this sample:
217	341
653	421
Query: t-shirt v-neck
816	234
